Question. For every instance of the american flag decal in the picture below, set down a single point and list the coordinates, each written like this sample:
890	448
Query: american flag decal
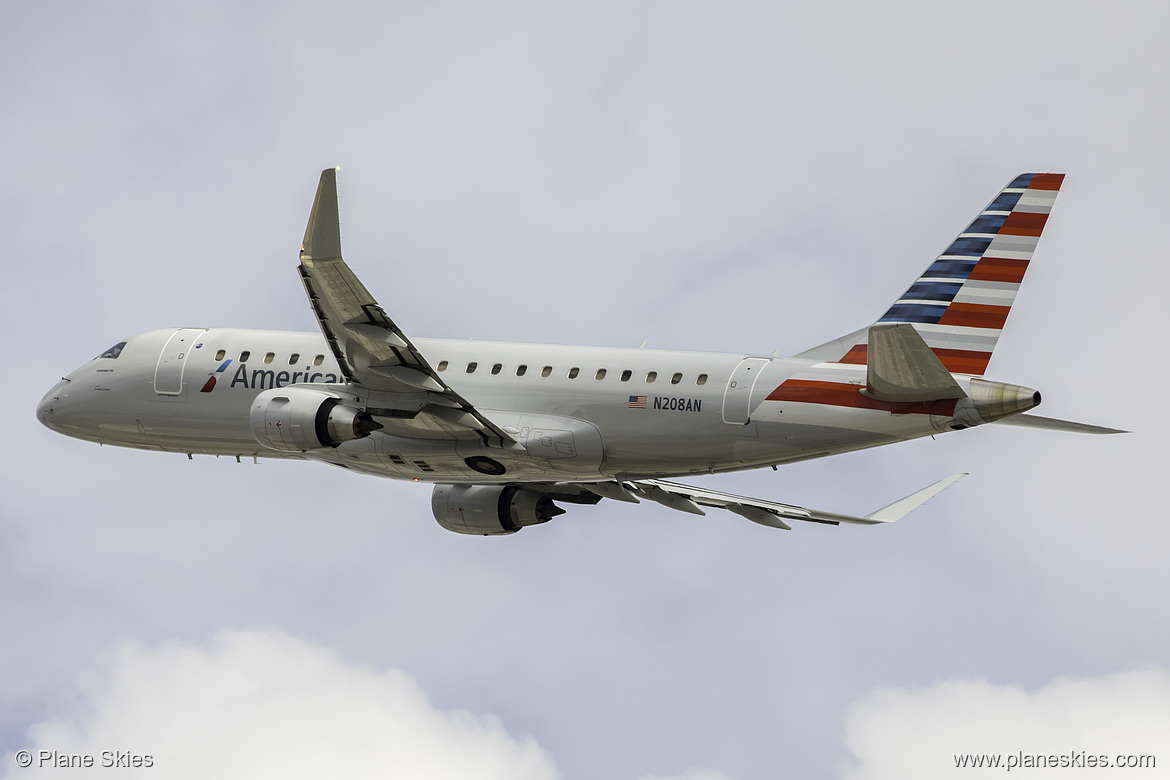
637	402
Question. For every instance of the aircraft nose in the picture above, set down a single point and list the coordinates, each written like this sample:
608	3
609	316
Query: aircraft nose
50	408
61	409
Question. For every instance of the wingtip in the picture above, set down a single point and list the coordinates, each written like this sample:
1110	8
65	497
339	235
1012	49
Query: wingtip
323	233
899	509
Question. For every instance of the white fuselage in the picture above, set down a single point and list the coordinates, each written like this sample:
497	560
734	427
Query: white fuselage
578	413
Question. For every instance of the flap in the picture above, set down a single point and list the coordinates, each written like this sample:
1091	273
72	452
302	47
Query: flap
691	499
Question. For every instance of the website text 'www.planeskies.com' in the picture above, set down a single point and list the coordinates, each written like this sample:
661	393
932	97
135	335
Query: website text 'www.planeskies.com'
1070	760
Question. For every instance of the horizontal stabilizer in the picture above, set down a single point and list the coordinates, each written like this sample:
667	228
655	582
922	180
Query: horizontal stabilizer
1052	424
902	369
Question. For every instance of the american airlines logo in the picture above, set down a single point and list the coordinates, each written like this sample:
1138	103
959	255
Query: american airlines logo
267	378
210	384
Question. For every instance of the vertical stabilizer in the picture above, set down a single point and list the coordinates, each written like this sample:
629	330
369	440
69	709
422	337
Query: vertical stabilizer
960	303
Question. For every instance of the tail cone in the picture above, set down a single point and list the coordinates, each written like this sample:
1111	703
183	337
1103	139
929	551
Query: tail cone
996	400
990	401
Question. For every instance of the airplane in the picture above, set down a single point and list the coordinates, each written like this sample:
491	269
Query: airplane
505	431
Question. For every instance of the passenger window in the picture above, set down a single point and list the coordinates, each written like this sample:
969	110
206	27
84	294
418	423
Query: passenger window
269	357
600	374
113	351
244	356
294	358
651	377
221	354
442	365
702	380
546	371
573	372
626	375
496	368
318	360
471	367
521	370
674	380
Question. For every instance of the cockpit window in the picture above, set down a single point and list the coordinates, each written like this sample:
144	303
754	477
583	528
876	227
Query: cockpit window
113	351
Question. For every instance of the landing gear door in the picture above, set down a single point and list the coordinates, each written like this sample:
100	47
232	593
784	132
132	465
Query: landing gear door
738	397
168	374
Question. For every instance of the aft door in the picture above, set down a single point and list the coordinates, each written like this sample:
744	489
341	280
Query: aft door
168	374
738	397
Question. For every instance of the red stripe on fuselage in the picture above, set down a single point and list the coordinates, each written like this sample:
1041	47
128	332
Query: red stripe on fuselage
810	391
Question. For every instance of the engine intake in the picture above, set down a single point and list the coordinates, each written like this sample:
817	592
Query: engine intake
490	510
297	420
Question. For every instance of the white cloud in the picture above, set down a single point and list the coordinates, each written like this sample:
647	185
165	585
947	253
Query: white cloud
260	703
916	733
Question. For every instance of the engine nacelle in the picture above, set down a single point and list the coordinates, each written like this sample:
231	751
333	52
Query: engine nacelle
295	420
490	510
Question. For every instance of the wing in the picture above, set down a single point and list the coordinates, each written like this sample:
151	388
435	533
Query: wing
688	498
372	351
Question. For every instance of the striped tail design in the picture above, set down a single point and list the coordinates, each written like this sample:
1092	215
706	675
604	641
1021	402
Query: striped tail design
960	303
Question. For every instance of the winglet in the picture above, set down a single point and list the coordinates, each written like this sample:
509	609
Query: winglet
323	234
904	506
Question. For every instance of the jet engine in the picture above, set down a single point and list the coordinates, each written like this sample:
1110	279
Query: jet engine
296	420
490	510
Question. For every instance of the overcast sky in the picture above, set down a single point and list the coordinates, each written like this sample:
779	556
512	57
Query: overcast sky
741	177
